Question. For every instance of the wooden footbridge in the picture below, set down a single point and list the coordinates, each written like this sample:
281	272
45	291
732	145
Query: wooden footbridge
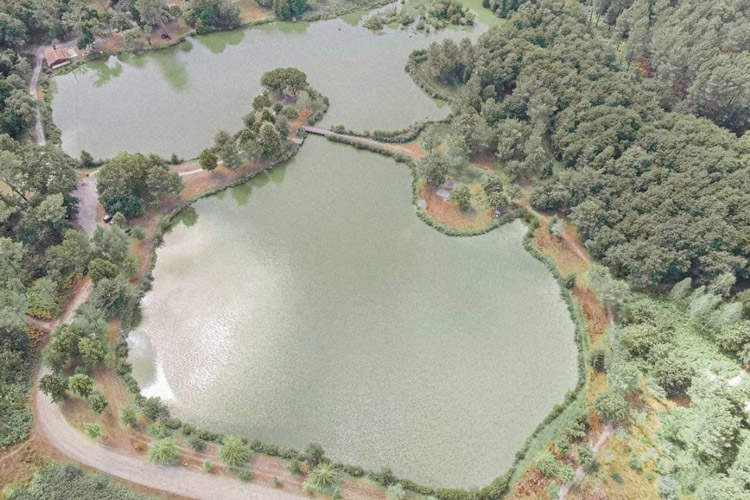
317	131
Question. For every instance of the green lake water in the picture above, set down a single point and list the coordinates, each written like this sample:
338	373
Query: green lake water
312	305
174	100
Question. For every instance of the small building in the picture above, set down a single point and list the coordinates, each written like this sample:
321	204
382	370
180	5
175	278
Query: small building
56	58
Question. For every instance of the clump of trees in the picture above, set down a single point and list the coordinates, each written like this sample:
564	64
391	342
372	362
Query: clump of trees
211	15
599	144
265	129
127	182
289	9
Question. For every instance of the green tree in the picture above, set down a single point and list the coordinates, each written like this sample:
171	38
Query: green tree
93	351
226	148
97	402
129	416
673	373
269	140
153	13
54	386
286	79
433	169
208	159
101	268
81	385
213	14
116	297
611	406
461	196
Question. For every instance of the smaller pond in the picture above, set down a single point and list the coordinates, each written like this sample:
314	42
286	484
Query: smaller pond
176	99
312	305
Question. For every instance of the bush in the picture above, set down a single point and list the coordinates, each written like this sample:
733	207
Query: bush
196	443
294	467
92	430
597	359
546	464
154	408
314	454
674	374
97	402
163	451
569	281
461	196
396	492
129	416
234	451
611	406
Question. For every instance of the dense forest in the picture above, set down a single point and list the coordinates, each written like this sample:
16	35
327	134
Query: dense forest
658	195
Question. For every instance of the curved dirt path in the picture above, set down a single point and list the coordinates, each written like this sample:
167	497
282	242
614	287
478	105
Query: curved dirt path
580	471
176	480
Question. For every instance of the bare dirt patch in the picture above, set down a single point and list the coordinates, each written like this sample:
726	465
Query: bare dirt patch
447	213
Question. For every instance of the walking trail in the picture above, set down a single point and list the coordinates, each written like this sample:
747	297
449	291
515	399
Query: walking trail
176	480
581	471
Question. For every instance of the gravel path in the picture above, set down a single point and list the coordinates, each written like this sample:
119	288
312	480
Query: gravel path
88	203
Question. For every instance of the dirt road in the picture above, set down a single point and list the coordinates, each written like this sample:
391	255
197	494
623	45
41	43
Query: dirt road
33	85
88	203
177	480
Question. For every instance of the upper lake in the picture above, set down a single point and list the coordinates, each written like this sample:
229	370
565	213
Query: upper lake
175	100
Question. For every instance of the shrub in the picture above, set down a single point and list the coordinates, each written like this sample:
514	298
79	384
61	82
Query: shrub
154	408
569	281
163	451
565	473
207	465
129	416
92	430
396	492
243	474
314	454
234	451
385	477
667	487
294	467
461	196
196	443
276	482
597	359
546	463
97	402
611	406
81	385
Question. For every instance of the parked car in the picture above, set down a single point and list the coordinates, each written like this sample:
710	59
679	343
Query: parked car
107	218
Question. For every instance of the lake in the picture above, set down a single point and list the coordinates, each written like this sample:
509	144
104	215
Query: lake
312	305
175	100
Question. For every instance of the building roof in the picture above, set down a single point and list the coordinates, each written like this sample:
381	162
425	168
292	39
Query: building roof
58	56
